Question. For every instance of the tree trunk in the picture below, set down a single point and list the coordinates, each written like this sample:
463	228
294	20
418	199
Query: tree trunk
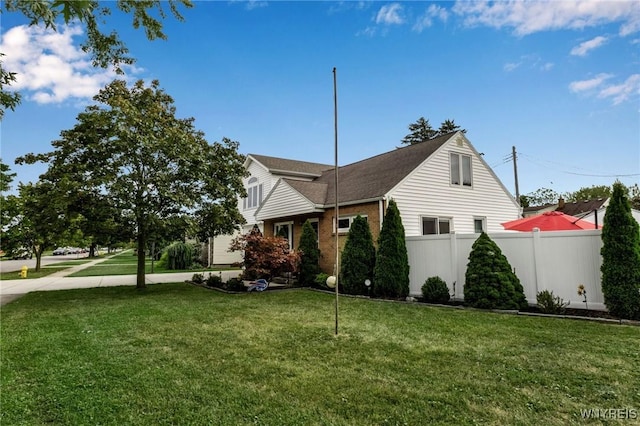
140	280
38	250
92	250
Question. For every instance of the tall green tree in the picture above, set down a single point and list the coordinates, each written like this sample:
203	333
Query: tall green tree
106	49
490	283
358	258
43	218
391	272
420	131
309	255
449	126
152	165
589	193
541	196
621	257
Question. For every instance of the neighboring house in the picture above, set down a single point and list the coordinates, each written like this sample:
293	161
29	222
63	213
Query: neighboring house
590	210
536	210
440	186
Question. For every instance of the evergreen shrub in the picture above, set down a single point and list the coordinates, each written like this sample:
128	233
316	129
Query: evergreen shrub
309	255
358	258
490	282
177	256
550	304
391	272
621	257
435	290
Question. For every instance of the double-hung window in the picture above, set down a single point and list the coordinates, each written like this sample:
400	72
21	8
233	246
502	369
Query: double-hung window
254	194
460	169
436	225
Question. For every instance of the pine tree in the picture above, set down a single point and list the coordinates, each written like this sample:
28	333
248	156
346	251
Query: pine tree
358	258
310	255
621	257
489	281
421	131
391	273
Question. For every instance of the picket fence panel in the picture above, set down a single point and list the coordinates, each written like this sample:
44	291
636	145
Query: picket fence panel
557	261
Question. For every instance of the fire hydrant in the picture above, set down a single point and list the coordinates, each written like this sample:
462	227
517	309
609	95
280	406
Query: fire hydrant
23	272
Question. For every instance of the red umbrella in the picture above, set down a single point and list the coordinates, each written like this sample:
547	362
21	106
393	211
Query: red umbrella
549	221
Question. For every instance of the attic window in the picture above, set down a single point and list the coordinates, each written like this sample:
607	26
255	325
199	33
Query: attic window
254	194
460	169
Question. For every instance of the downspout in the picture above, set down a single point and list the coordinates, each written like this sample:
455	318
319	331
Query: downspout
381	211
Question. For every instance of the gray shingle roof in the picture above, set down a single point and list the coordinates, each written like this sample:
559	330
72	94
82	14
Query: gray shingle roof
373	177
313	191
578	208
283	165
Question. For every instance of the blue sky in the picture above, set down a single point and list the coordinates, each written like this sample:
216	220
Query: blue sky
559	80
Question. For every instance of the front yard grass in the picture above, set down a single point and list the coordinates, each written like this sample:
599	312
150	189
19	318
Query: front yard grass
178	354
31	273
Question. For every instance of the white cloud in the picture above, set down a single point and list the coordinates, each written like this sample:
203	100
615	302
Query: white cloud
426	19
622	92
527	17
583	48
50	67
256	4
585	85
547	67
389	14
511	66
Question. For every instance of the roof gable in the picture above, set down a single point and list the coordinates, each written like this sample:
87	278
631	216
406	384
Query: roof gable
373	177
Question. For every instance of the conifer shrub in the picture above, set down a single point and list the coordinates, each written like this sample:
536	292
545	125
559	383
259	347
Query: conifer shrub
391	272
358	258
309	255
621	257
435	290
489	281
550	304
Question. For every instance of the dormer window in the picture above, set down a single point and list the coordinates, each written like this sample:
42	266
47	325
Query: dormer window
254	194
460	169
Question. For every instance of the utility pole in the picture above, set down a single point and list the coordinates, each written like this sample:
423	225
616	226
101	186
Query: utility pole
335	124
515	173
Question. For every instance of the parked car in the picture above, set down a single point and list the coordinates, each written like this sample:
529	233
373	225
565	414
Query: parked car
60	251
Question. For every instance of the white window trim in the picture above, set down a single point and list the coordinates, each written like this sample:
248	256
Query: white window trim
290	237
484	223
254	191
438	219
351	218
461	170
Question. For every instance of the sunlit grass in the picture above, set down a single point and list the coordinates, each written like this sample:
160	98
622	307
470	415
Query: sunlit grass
31	273
177	354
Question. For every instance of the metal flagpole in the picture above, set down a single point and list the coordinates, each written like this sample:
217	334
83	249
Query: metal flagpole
335	125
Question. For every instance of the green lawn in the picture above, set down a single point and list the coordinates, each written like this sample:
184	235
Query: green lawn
31	273
178	354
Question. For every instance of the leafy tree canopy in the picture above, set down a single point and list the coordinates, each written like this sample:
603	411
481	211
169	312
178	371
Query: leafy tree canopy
152	165
105	49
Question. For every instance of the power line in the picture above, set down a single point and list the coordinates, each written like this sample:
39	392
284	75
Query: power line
537	161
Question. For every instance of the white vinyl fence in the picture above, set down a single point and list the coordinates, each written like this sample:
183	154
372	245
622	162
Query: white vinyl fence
557	261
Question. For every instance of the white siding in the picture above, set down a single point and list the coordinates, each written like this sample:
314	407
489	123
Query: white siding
220	254
266	179
428	192
284	201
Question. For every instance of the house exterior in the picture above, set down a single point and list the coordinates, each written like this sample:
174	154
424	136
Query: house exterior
263	173
440	186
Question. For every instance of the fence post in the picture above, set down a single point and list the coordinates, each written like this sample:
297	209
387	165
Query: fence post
540	283
453	247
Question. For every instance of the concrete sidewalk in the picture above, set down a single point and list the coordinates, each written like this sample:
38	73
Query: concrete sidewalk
12	289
